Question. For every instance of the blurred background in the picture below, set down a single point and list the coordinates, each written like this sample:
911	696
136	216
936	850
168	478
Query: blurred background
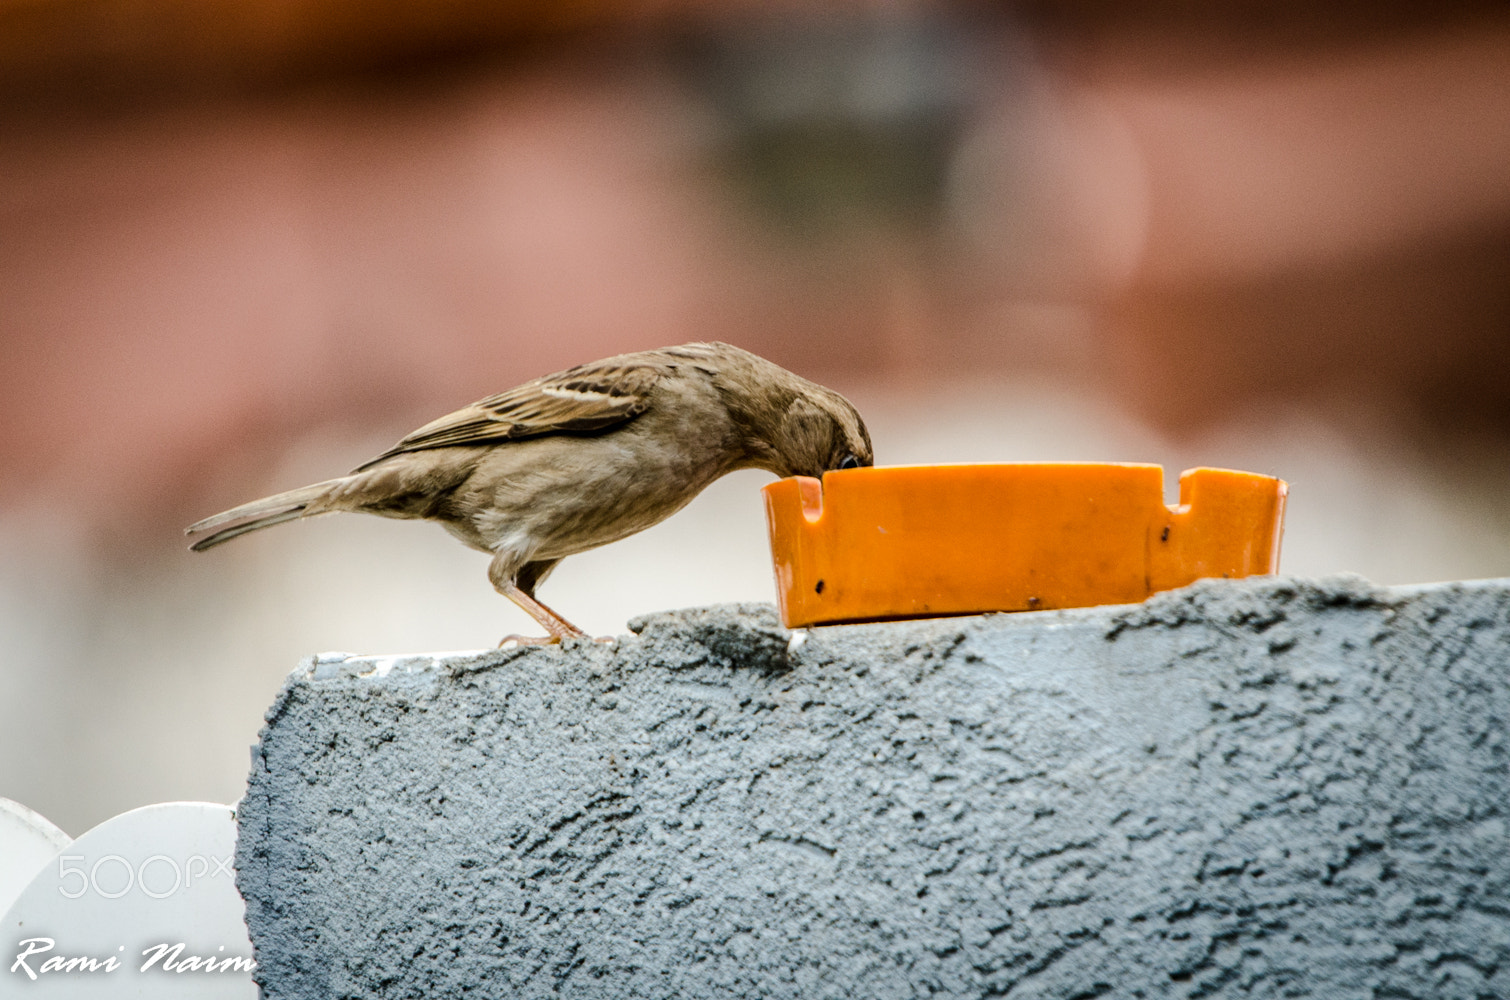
247	245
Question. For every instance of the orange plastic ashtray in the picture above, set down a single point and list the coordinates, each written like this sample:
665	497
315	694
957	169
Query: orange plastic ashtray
930	540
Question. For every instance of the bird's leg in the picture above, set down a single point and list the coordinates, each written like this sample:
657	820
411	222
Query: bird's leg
558	627
518	585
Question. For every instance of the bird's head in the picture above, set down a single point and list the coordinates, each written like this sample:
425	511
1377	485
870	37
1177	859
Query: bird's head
820	431
791	426
805	429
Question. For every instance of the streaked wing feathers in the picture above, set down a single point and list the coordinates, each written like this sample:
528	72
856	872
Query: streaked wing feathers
580	400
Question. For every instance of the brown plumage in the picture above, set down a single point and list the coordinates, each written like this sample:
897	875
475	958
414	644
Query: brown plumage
584	457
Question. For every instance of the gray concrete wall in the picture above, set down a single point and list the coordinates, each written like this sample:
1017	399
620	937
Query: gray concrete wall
1272	788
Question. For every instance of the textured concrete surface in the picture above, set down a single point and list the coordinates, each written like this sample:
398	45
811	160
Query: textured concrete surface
1272	788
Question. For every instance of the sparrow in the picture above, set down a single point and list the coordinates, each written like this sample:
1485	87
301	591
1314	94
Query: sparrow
581	458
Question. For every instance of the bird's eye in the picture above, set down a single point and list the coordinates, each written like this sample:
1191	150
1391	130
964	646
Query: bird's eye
849	462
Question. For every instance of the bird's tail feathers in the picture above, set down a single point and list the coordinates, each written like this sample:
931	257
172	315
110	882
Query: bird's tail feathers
258	514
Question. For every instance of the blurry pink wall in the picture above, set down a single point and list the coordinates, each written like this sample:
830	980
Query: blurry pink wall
193	279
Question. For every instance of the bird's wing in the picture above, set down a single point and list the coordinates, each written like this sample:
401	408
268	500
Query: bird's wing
580	400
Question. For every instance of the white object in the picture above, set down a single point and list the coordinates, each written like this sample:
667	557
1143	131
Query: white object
27	842
144	905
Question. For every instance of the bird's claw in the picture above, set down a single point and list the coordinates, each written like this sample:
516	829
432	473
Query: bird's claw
550	640
528	640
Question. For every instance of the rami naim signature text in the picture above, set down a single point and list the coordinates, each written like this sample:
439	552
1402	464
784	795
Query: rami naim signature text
158	958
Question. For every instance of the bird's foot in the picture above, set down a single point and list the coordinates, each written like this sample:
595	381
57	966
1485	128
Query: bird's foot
550	640
529	640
